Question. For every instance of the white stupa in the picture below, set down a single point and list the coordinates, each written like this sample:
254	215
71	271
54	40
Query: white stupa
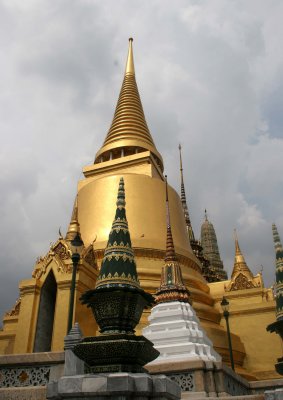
174	328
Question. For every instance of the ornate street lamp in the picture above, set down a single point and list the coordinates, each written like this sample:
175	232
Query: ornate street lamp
225	307
76	246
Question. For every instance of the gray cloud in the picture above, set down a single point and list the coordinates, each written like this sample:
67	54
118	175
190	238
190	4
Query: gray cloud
210	77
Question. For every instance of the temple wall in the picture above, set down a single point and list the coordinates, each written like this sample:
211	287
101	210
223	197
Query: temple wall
251	310
19	331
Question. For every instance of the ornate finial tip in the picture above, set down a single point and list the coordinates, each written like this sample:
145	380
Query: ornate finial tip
121	194
235	234
205	214
131	39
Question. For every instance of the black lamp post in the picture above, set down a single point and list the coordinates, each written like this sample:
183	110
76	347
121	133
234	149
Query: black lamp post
225	307
76	245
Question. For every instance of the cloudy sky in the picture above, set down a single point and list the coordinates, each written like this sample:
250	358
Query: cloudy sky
210	75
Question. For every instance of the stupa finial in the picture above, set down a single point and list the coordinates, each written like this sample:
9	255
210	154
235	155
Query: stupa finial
130	68
238	254
205	215
239	258
74	226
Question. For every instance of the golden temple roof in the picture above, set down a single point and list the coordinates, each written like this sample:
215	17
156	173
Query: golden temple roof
129	130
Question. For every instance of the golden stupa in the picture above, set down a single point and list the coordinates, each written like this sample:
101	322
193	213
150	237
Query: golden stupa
129	152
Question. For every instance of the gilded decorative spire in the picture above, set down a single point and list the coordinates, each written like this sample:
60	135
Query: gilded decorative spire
239	258
118	268
129	132
130	68
240	265
279	273
184	201
74	226
172	287
211	250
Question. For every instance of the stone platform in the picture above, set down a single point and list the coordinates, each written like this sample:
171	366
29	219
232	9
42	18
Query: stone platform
118	386
25	376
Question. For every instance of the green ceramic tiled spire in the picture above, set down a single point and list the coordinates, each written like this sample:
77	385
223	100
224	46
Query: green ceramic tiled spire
279	273
118	268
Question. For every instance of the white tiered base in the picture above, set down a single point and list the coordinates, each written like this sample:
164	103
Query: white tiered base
176	333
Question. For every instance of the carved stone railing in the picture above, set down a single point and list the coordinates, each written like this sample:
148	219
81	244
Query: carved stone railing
25	376
234	384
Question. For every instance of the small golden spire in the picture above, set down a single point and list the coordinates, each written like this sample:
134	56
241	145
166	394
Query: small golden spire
74	226
130	68
239	258
240	265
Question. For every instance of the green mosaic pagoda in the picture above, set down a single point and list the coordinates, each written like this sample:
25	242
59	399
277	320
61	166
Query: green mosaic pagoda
279	273
277	326
118	267
117	303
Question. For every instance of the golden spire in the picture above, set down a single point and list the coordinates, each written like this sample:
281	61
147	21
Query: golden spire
240	264
239	258
74	226
128	132
130	68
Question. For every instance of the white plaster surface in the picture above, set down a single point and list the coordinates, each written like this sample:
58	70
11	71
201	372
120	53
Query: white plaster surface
176	333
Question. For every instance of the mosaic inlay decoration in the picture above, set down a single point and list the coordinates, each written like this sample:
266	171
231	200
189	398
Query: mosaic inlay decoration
24	376
185	381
